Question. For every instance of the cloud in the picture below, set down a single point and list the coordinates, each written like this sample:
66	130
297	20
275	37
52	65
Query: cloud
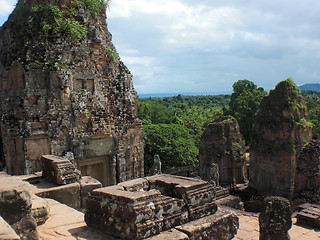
6	7
187	45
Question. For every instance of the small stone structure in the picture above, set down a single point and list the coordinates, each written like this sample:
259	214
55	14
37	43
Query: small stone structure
307	180
59	170
281	132
147	206
59	96
221	144
275	219
309	215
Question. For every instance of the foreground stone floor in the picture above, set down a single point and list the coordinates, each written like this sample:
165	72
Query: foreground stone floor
249	228
66	223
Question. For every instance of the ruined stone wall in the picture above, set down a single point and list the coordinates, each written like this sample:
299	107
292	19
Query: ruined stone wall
221	144
307	179
64	95
281	131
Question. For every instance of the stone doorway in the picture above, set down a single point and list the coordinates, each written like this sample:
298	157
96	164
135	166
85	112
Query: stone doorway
267	181
98	168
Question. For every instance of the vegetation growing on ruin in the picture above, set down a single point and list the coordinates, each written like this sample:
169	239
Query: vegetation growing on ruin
53	23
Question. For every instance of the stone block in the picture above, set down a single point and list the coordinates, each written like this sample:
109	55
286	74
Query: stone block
68	194
144	207
125	214
309	215
198	195
6	232
170	234
222	225
15	206
87	185
40	209
58	170
275	219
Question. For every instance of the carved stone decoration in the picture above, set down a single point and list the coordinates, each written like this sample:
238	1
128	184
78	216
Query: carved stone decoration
275	219
58	170
156	167
147	206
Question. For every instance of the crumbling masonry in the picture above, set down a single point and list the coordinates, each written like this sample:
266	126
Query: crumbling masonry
63	94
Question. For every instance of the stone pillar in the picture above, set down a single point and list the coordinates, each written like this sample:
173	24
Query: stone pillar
275	219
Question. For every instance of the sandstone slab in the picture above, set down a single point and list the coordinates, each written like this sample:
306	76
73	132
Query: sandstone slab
222	225
68	194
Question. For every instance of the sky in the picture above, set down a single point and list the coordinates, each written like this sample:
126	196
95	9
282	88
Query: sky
178	46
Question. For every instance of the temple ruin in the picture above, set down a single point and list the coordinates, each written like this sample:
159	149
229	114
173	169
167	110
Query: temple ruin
221	144
282	130
65	92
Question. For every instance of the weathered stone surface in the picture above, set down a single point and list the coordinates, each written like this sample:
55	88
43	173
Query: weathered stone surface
40	209
63	96
156	167
87	185
6	232
230	201
281	132
221	145
58	170
15	206
170	234
198	195
144	207
68	194
222	225
309	215
307	181
275	219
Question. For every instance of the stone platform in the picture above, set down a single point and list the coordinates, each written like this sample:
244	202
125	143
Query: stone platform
144	207
309	215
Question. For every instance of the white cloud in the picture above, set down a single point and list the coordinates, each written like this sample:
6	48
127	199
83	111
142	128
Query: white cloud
6	6
144	61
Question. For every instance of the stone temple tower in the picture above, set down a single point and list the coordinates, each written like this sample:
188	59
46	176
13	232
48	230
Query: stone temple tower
64	90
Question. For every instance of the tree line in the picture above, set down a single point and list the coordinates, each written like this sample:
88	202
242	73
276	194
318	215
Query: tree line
173	126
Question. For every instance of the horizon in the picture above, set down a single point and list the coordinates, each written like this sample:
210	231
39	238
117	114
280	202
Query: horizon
185	46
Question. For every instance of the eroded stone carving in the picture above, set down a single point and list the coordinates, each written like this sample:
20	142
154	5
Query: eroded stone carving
15	206
59	170
221	144
156	167
275	219
146	206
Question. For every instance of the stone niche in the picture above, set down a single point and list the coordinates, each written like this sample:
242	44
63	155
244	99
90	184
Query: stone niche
221	144
281	132
67	98
144	207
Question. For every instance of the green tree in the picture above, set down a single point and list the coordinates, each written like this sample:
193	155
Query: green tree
313	104
244	106
172	142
